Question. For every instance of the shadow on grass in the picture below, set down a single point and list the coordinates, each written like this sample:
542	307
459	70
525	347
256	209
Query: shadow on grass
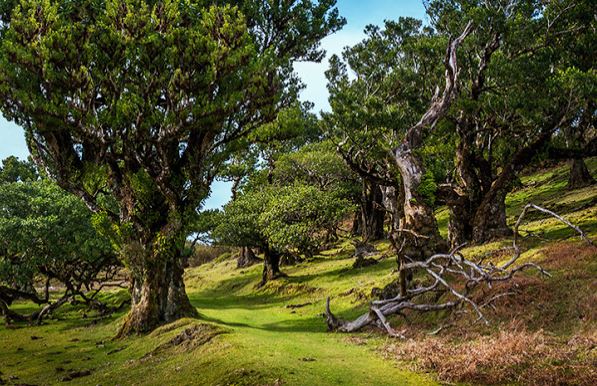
292	325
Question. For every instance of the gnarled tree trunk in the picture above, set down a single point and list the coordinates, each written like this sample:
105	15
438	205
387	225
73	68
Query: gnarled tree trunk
157	287
419	219
372	212
423	239
489	221
580	176
246	258
271	266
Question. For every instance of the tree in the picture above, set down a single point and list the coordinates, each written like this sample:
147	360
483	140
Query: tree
512	101
301	217
279	220
293	127
240	226
319	165
15	170
396	72
134	105
47	234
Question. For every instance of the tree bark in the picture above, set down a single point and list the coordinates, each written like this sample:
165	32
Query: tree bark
474	177
393	201
489	221
580	176
246	258
419	219
271	266
157	287
372	212
460	228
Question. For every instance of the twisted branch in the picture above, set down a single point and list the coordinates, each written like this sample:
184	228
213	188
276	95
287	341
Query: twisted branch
452	273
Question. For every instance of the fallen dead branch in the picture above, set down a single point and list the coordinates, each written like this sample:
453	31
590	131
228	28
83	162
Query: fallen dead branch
451	273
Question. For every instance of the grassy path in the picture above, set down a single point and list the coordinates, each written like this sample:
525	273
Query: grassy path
296	349
265	342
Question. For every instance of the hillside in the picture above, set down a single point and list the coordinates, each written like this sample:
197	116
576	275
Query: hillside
546	332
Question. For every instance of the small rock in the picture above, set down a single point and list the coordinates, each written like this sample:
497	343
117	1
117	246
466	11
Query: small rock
308	359
33	337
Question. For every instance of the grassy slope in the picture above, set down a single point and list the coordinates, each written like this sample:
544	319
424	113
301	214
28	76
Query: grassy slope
265	342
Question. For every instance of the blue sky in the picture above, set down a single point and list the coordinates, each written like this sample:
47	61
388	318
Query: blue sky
358	13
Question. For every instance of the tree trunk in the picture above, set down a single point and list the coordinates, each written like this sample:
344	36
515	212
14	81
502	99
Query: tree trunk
157	289
474	176
423	238
460	228
357	227
394	203
372	212
489	222
580	176
271	266
246	258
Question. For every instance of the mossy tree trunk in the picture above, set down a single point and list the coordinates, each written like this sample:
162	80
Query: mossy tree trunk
372	212
580	176
419	223
271	266
246	258
157	287
489	221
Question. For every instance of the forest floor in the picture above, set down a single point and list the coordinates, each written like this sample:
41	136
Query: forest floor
545	333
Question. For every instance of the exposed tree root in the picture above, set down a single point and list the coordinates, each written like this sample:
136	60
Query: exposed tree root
451	273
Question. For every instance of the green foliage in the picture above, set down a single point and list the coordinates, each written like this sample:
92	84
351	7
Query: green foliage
320	165
136	105
14	170
47	233
239	225
299	217
427	188
286	218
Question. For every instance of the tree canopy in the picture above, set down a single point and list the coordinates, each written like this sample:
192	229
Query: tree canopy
134	106
47	234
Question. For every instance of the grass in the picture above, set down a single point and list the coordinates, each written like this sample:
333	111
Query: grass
249	336
263	342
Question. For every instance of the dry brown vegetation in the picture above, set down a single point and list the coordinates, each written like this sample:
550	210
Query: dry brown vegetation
543	335
512	355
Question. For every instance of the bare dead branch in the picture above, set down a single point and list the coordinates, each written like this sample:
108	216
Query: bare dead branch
451	273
